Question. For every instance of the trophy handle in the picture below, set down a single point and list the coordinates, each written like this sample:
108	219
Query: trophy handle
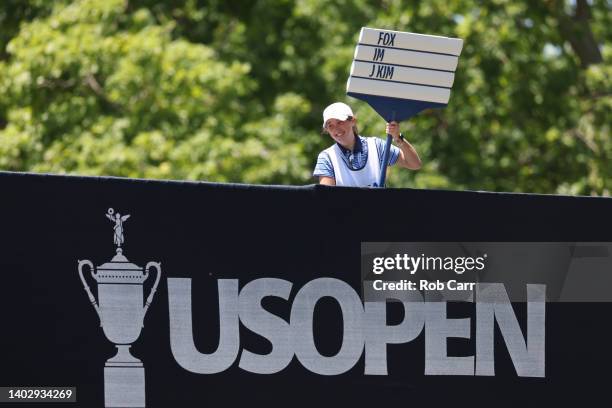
157	266
92	299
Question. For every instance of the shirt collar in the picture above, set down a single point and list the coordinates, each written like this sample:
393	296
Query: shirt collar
356	148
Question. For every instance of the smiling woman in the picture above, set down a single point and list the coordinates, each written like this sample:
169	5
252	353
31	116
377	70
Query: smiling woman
348	162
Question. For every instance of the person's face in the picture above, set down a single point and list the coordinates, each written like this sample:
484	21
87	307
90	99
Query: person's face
341	130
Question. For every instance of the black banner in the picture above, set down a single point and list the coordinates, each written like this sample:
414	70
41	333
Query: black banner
160	293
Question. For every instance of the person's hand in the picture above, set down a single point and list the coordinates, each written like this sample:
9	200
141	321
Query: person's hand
392	129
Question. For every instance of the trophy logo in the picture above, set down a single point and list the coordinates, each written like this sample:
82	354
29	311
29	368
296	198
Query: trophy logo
121	310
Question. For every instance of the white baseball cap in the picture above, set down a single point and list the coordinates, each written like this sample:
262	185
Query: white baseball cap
338	110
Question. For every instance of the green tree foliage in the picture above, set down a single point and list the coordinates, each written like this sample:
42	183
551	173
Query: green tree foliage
233	91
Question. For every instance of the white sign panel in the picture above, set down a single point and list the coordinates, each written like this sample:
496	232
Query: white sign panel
404	65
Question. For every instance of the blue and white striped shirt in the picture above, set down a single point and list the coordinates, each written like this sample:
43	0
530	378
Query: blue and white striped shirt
356	159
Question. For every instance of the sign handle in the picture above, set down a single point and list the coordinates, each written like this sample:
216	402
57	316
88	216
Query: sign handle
386	157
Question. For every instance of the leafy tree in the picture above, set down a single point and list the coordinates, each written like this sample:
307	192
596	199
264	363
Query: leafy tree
93	90
233	91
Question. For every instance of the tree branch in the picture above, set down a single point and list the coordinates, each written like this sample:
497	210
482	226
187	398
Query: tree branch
93	84
576	30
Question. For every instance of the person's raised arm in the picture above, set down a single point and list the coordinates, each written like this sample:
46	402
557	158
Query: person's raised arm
408	157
